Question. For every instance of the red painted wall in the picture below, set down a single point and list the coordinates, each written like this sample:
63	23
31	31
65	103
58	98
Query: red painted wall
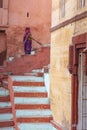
39	21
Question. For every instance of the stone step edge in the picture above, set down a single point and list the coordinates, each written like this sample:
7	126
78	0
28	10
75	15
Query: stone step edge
30	94
32	106
34	119
6	123
8	128
39	74
5	98
22	83
5	110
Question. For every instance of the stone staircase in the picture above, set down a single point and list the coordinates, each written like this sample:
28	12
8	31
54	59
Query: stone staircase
30	109
6	116
26	63
30	102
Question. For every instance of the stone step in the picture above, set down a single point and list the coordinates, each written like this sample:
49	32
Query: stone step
30	94
5	98
32	106
34	119
24	100
6	110
39	74
7	128
35	126
5	105
31	102
33	113
27	78
27	83
27	63
3	91
29	89
6	124
38	70
6	117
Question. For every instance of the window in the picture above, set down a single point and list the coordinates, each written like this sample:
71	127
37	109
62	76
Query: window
62	8
81	3
1	3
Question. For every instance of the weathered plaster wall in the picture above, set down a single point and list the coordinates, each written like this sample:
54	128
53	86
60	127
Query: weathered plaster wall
4	13
60	79
59	76
55	12
39	17
15	40
39	21
71	9
80	26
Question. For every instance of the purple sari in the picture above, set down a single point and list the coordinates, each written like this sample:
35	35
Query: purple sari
27	41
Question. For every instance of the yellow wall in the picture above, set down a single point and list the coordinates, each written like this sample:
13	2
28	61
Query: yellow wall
60	86
60	77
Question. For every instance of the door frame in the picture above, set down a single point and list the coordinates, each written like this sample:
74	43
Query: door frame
78	43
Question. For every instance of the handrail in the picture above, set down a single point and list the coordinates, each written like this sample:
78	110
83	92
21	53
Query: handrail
44	45
36	41
32	39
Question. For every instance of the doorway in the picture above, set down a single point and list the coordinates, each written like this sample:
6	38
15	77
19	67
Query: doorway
82	92
3	47
78	70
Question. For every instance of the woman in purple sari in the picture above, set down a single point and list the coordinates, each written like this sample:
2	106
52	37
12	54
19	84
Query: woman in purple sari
27	40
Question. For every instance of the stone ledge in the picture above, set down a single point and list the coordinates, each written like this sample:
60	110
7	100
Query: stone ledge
69	21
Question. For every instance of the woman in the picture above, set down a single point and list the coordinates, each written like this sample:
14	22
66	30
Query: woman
27	40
